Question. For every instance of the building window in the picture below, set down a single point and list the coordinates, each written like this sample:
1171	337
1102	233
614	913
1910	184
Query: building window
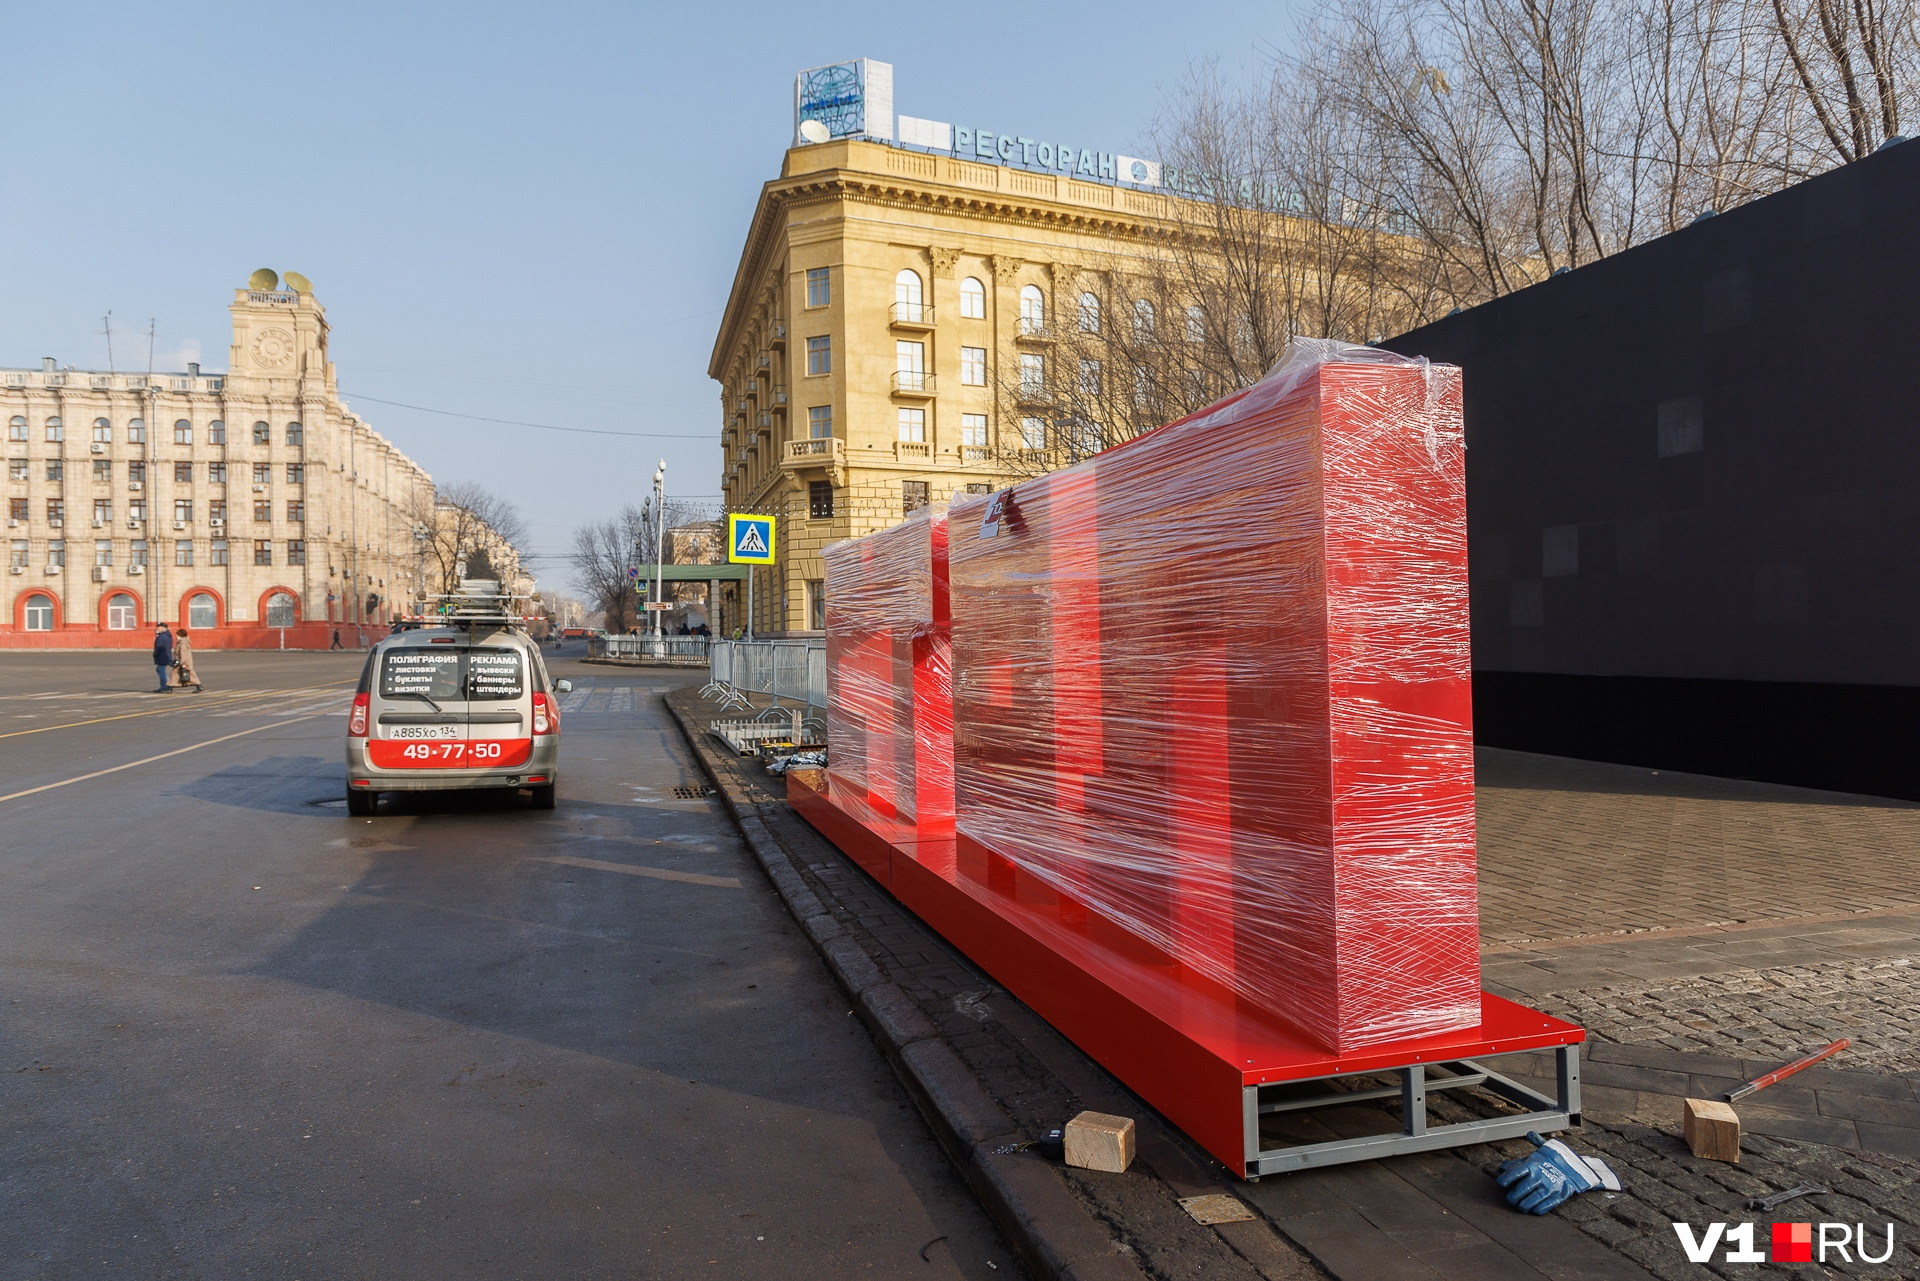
262	552
1033	374
103	511
55	432
263	510
183	473
913	496
262	434
907	297
910	366
137	552
1142	318
973	299
17	509
1033	433
57	510
183	510
297	511
183	551
21	551
16	428
820	355
39	613
1089	378
103	551
820	499
183	432
137	510
137	432
136	472
817	604
296	473
216	554
297	551
1089	314
280	612
120	613
217	473
263	473
216	433
973	430
913	425
973	366
102	431
1196	324
820	422
57	553
1197	386
217	510
1142	386
102	471
296	434
203	610
979	487
16	469
819	287
56	469
1033	310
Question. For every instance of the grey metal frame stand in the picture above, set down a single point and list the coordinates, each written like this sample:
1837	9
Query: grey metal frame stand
1417	1081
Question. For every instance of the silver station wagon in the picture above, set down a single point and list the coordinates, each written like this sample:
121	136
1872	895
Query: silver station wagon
463	705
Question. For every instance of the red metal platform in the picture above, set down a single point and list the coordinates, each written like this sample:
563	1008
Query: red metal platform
1207	1060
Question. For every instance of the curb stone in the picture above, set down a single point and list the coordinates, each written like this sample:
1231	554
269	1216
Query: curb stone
1040	1218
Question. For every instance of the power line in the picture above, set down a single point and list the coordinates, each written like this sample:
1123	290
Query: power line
514	422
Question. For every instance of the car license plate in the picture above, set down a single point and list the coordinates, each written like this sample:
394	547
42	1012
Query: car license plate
423	731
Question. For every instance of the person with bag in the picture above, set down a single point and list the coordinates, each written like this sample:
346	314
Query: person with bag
183	662
162	655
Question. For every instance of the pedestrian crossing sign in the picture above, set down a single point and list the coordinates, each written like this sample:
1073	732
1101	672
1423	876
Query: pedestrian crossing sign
749	539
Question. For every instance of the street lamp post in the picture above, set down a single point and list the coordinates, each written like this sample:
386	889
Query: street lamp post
659	547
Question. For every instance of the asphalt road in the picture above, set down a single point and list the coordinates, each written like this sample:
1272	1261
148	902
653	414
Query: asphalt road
245	1035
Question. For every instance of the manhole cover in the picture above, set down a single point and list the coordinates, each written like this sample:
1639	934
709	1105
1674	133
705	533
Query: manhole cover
693	793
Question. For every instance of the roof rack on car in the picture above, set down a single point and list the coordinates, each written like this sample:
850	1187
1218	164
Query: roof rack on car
479	601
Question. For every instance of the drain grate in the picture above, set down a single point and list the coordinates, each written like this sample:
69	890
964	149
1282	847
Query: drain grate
693	793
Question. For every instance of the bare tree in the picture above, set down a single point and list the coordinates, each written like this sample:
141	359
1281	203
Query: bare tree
611	557
456	526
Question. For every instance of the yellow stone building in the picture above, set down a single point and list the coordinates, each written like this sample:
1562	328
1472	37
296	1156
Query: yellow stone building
885	303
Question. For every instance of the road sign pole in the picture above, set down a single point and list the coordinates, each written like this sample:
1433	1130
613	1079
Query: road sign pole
750	578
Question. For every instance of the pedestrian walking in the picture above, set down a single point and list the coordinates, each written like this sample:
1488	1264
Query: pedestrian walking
183	662
336	640
162	655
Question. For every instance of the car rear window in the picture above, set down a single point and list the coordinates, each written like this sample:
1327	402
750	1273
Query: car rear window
445	673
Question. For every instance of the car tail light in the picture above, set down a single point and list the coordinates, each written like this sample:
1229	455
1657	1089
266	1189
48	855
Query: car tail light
546	716
357	720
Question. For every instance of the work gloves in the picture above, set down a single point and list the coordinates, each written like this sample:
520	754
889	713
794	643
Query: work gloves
1550	1174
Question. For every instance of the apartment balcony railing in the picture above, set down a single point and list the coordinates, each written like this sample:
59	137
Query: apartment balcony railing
912	382
912	315
1033	329
826	452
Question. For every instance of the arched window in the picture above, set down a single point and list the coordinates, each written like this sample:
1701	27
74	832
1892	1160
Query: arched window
55	430
906	296
203	611
1089	314
262	434
17	428
1142	318
182	432
102	431
39	613
216	432
137	431
121	614
1033	310
295	433
973	299
1196	324
280	610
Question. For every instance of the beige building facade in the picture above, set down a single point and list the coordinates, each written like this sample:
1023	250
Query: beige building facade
885	302
252	505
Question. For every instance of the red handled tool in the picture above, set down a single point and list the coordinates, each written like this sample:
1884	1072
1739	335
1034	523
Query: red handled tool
1782	1073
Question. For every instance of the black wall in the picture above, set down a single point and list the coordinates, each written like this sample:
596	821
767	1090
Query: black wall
1693	493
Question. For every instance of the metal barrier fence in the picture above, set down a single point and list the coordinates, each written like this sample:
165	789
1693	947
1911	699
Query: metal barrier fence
791	670
688	651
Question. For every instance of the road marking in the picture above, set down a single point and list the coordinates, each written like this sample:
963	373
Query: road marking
148	760
658	873
219	701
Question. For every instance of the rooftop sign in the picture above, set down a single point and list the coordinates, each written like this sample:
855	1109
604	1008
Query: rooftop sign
844	100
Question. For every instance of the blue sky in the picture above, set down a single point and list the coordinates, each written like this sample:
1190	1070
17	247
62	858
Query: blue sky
523	212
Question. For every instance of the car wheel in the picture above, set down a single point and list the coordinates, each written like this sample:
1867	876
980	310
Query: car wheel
361	804
544	797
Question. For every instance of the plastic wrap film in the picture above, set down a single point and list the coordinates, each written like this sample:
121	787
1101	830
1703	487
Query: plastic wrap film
890	672
1212	687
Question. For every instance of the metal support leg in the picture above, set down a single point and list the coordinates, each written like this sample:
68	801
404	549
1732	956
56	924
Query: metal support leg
1413	1098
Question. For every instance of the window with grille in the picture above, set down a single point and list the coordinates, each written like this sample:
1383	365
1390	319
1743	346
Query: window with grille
820	499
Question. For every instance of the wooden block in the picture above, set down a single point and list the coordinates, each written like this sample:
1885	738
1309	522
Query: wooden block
1096	1141
1713	1130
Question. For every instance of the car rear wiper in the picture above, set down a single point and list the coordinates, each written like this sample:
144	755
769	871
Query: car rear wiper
417	694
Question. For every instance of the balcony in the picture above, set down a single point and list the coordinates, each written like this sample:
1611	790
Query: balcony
975	454
777	335
779	396
915	383
829	451
1033	329
1034	393
913	451
911	315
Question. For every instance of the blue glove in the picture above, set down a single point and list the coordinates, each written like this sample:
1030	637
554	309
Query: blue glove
1552	1173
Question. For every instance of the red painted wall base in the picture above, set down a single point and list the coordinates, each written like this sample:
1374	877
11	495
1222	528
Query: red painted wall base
1182	1042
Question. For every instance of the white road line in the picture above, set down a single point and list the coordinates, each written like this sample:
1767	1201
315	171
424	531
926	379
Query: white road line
658	873
191	747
